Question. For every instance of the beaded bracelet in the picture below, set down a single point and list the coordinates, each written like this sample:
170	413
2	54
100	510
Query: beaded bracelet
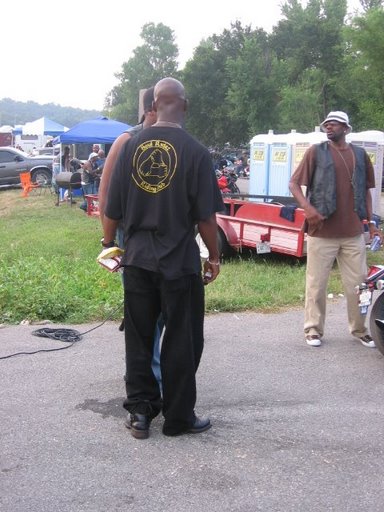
213	263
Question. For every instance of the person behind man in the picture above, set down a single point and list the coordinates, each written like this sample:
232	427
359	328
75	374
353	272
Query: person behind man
162	186
148	118
338	177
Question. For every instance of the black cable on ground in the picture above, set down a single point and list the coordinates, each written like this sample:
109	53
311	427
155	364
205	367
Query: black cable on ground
70	336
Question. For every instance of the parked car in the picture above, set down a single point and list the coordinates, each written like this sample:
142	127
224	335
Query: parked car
43	151
13	162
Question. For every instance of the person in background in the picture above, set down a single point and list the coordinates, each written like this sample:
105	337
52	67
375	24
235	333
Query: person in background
65	160
95	149
163	185
337	177
148	118
239	167
88	177
100	162
55	172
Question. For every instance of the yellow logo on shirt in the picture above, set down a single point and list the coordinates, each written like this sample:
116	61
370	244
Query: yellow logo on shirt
154	165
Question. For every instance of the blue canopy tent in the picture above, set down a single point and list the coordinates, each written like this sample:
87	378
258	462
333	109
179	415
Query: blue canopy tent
95	131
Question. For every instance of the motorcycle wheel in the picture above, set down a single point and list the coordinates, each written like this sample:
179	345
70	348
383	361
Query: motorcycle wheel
377	331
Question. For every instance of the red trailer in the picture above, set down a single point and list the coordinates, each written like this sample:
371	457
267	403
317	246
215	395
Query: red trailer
248	224
260	226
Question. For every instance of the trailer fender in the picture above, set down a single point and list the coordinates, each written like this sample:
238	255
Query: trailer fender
228	232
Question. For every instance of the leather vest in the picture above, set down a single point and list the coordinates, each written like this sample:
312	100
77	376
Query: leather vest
135	129
322	190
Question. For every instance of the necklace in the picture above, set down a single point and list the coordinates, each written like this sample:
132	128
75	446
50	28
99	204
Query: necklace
167	123
349	173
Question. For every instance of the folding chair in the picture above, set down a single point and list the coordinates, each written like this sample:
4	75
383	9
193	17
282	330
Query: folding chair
27	184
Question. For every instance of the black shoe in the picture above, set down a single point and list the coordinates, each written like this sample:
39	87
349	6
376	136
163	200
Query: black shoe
139	425
200	425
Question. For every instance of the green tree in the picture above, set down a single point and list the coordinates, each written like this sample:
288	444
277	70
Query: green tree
310	43
298	107
253	92
365	39
152	61
207	79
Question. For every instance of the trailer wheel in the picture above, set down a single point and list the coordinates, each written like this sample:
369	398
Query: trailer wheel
225	250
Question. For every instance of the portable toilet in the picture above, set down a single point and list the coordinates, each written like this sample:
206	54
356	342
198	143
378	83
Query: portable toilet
259	163
373	143
301	142
279	170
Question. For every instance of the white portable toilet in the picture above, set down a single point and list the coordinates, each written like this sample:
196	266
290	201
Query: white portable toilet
259	163
301	142
274	158
373	143
279	171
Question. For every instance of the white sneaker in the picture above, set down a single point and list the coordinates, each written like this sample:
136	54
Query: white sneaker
367	341
313	340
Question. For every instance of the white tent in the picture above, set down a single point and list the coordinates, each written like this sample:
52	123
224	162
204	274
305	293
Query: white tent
43	126
6	128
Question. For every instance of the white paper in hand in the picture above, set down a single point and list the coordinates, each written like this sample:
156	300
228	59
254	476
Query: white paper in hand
110	258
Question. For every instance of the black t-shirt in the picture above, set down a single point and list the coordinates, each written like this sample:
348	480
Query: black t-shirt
162	185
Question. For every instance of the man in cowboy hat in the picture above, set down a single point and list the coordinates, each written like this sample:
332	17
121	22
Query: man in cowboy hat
337	177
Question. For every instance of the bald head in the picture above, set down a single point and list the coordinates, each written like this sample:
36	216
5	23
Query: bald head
170	102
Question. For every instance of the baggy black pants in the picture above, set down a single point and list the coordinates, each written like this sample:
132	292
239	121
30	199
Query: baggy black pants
181	301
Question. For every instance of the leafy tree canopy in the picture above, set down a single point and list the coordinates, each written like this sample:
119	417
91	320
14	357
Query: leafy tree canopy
151	61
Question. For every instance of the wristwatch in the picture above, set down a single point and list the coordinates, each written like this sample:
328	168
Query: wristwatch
107	245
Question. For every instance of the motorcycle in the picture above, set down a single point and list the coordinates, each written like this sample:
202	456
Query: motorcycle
227	182
374	281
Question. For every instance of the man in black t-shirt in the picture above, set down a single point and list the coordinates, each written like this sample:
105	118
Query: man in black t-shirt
162	186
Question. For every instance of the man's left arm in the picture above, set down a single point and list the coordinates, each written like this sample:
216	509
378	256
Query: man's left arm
208	231
109	230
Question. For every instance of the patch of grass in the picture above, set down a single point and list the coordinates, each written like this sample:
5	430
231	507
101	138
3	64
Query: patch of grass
49	270
48	263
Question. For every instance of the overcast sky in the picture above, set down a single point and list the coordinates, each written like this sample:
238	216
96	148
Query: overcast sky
68	53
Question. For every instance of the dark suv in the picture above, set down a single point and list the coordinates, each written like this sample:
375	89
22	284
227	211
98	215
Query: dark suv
13	162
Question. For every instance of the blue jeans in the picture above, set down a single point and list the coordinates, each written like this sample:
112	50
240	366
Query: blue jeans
159	324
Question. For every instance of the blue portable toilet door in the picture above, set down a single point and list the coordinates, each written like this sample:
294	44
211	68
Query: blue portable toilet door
280	162
258	173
